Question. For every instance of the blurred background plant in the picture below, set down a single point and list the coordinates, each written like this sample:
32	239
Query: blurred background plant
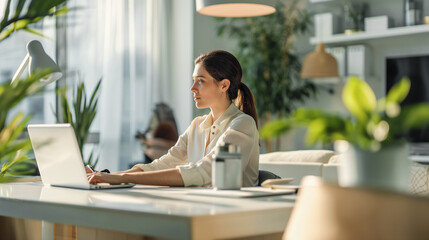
19	15
80	114
271	68
371	125
354	15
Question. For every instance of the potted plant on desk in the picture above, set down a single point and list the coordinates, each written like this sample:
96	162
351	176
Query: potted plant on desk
371	138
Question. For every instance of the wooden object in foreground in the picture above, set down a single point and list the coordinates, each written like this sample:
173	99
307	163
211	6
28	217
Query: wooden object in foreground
327	211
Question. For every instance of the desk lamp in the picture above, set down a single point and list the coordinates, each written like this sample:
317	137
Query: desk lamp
37	58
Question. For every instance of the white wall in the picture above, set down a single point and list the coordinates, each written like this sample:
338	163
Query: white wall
206	40
205	36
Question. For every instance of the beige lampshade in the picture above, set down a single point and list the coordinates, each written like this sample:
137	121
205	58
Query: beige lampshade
235	8
319	64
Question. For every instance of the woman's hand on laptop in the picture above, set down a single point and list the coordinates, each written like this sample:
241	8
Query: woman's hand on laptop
88	169
101	177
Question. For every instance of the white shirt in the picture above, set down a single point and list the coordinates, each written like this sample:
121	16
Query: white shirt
194	160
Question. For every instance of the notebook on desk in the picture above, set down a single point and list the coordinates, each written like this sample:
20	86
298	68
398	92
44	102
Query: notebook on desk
58	157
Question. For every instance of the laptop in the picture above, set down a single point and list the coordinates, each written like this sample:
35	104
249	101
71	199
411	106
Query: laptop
58	157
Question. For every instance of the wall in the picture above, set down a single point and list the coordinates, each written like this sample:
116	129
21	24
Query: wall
205	36
206	40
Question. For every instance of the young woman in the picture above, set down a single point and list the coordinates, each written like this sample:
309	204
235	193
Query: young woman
216	85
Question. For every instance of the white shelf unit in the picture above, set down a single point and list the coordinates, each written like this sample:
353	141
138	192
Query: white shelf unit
362	36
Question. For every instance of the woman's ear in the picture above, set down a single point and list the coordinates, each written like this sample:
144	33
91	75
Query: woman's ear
224	84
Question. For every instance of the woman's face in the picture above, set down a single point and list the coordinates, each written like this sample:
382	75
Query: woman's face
207	91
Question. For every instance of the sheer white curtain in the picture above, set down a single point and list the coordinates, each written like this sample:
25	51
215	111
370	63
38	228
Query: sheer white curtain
125	43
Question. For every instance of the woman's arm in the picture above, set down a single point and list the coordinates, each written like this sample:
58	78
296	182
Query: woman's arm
177	155
167	177
89	170
131	170
160	172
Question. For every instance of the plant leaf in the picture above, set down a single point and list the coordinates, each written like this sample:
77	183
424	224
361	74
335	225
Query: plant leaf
316	131
275	128
411	117
306	115
30	30
399	91
5	16
80	113
359	98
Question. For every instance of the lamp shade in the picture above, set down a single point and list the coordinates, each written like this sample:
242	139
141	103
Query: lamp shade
319	64
235	8
37	58
40	60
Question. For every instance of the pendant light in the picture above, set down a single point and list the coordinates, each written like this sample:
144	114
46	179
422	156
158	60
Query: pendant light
319	64
235	8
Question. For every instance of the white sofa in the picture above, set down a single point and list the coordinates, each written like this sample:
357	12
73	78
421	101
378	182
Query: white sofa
325	164
297	164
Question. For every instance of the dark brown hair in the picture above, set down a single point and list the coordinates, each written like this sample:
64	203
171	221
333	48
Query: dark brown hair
223	65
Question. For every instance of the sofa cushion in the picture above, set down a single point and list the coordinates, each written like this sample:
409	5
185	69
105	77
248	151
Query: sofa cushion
321	156
335	159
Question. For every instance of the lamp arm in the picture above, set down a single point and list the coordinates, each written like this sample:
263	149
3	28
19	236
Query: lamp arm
21	68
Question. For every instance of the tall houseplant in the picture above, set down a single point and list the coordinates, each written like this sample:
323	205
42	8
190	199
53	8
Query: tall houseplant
80	114
271	68
20	16
372	137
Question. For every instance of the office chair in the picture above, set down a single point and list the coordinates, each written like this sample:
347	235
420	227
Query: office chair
265	175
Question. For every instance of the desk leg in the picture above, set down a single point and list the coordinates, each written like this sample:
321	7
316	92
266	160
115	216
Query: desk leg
47	230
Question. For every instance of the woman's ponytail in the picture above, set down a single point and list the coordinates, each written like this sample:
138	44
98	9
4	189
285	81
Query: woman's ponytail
246	102
223	65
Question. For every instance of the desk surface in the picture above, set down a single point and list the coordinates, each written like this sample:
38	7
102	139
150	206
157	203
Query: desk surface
161	212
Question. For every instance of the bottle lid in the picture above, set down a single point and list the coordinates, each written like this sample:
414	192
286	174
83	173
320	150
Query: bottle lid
229	148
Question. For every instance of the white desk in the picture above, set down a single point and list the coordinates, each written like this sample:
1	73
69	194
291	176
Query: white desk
160	212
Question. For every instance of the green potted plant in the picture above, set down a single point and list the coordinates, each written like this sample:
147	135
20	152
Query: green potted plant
354	15
271	67
371	138
80	114
13	148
